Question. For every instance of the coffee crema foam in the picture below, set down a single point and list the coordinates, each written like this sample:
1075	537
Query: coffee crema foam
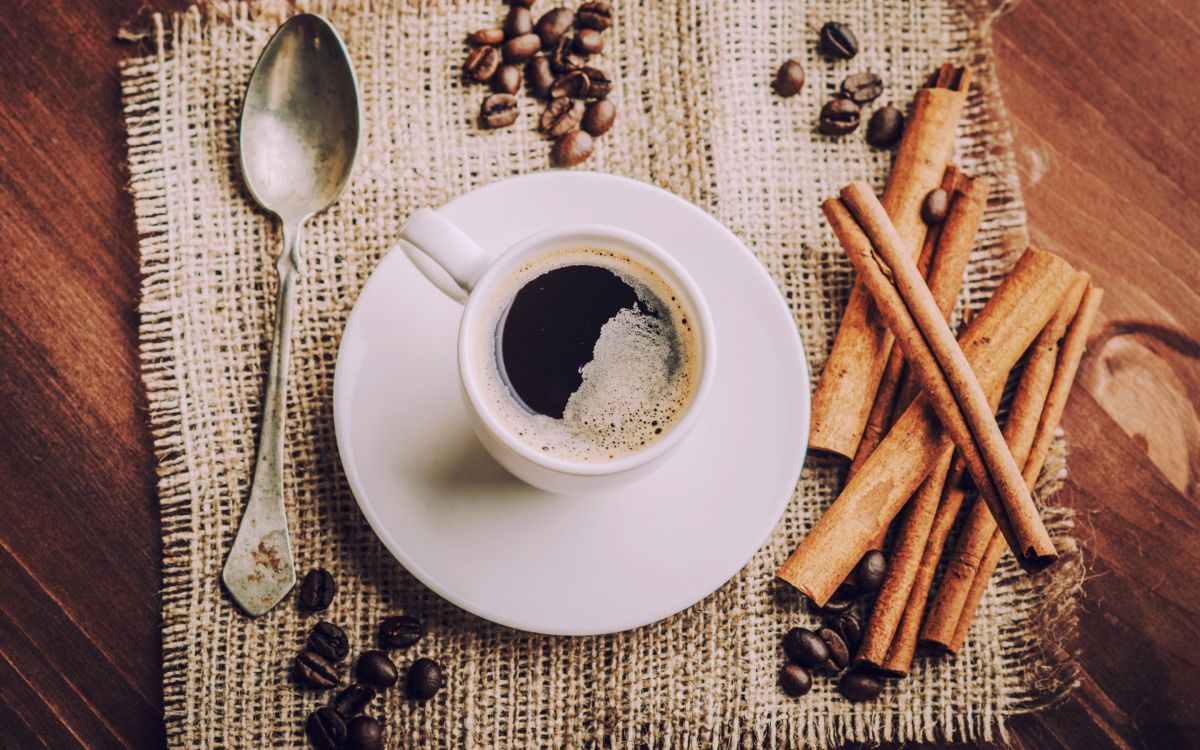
641	378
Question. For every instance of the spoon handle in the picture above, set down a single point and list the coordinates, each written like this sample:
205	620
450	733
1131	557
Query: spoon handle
259	571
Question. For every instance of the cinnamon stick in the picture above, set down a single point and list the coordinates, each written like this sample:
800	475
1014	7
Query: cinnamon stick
845	394
944	372
971	555
1066	364
996	338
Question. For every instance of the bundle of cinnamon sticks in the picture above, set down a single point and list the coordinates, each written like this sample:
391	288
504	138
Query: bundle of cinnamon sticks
913	407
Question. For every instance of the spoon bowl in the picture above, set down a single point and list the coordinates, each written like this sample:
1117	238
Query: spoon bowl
299	124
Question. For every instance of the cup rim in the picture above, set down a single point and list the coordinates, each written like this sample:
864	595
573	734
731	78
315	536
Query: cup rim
643	250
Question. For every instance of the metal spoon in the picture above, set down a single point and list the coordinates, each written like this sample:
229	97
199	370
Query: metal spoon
298	133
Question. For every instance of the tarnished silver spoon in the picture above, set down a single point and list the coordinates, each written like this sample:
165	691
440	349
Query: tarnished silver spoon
298	136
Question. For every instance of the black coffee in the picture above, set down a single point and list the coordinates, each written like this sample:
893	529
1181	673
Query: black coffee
593	354
550	331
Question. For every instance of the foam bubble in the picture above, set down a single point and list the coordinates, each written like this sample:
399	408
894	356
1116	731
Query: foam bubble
640	379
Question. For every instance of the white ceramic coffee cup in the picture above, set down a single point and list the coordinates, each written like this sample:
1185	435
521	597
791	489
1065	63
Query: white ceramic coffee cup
455	264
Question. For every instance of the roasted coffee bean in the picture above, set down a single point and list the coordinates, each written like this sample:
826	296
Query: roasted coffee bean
481	64
554	25
316	671
885	127
351	701
400	631
789	79
562	59
837	41
522	3
838	117
376	669
574	84
935	206
521	48
364	733
849	628
861	88
871	571
860	685
561	116
795	680
317	590
837	603
539	76
425	677
805	648
325	729
507	79
589	42
597	15
599	117
573	148
518	22
839	652
329	641
599	86
491	37
498	111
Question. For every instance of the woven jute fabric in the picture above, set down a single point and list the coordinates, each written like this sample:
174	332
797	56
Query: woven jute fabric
697	117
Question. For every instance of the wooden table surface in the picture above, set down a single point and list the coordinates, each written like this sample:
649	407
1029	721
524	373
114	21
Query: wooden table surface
1106	111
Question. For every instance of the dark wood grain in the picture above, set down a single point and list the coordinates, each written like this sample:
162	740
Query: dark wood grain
1105	114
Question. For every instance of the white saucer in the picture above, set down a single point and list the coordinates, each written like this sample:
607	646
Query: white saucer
552	563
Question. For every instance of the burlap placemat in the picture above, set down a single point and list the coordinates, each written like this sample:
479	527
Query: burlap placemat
696	117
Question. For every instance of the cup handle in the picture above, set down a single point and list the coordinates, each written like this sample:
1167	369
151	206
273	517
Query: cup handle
443	253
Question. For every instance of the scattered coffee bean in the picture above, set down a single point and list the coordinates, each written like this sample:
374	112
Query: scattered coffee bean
561	116
599	117
885	127
859	685
376	669
425	676
562	59
839	652
837	41
521	48
805	648
837	603
539	76
599	86
795	680
871	571
597	15
490	37
849	628
838	117
507	79
400	631
554	25
572	149
325	729
937	203
351	701
329	641
518	22
522	3
861	88
589	42
790	78
364	733
317	590
498	111
481	64
316	671
574	84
